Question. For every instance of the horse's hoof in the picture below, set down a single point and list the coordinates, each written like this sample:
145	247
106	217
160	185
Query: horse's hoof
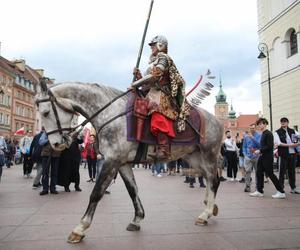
215	210
133	227
200	222
75	238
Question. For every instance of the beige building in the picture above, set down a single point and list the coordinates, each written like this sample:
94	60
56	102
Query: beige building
279	29
17	90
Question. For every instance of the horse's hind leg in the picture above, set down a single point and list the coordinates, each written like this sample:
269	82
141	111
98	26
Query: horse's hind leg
212	184
106	176
129	180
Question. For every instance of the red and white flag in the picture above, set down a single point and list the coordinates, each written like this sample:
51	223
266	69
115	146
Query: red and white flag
20	131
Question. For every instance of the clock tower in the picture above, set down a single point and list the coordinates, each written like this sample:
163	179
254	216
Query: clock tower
221	106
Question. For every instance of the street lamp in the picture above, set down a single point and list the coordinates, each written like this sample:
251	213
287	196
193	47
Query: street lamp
264	53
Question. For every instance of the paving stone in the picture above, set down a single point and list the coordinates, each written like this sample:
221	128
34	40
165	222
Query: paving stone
29	221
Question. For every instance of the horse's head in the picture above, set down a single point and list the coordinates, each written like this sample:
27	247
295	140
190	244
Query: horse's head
56	113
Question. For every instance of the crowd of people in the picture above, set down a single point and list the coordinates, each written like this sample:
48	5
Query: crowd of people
256	154
54	166
258	151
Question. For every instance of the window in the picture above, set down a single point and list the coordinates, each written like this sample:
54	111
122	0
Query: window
1	118
7	120
8	101
293	43
17	126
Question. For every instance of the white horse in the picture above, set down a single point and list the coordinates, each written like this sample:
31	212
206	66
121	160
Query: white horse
57	106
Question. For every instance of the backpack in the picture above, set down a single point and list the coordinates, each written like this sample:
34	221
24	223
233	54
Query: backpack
223	149
37	150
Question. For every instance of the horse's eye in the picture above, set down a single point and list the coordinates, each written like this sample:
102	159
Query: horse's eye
46	114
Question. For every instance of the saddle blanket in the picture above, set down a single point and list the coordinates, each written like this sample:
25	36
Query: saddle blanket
186	137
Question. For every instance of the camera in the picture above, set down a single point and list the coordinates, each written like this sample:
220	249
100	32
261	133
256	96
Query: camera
295	138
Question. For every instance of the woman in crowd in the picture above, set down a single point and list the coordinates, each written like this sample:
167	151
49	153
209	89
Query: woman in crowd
68	170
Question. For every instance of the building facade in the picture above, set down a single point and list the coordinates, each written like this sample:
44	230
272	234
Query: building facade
279	29
6	87
18	88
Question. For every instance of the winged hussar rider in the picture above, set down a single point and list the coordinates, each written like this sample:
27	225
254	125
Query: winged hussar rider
165	98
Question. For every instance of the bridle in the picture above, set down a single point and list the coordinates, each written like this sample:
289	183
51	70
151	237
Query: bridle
54	102
52	99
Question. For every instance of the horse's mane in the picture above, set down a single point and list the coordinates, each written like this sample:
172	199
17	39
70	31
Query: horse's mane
109	91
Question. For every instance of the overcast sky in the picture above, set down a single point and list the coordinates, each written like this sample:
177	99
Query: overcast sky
98	41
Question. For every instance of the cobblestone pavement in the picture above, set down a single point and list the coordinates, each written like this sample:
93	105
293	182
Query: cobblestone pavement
29	221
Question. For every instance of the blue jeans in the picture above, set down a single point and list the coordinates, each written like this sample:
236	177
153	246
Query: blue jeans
99	165
159	167
54	162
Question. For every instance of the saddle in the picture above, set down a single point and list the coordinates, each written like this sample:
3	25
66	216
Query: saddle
186	137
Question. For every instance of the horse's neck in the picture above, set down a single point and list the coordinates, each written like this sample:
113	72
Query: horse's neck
91	98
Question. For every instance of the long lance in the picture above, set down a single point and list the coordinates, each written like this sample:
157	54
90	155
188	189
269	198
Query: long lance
143	38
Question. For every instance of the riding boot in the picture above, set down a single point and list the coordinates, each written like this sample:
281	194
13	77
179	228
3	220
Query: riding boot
163	151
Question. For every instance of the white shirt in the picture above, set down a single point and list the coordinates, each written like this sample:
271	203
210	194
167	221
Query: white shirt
230	145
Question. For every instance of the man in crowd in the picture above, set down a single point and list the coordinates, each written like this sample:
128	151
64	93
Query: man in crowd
286	141
50	157
250	144
265	162
25	143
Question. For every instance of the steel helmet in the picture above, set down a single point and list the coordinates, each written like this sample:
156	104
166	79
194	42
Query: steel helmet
160	41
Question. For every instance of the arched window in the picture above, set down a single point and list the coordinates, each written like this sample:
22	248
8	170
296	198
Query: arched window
293	43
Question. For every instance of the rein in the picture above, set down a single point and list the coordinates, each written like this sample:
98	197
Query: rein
52	99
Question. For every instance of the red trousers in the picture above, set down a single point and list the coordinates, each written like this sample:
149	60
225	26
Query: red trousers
160	123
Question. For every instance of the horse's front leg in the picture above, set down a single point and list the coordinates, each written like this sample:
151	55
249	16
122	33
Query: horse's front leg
129	180
109	170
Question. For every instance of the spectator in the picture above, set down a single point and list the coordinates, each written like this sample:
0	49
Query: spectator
50	158
9	153
35	155
231	156
68	170
239	144
265	162
251	144
286	141
158	169
171	167
192	180
91	156
183	164
25	143
99	164
3	145
2	162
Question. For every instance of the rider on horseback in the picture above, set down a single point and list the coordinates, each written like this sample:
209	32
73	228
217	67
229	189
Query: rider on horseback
165	96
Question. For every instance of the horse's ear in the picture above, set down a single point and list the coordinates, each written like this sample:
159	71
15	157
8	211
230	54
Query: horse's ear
42	87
